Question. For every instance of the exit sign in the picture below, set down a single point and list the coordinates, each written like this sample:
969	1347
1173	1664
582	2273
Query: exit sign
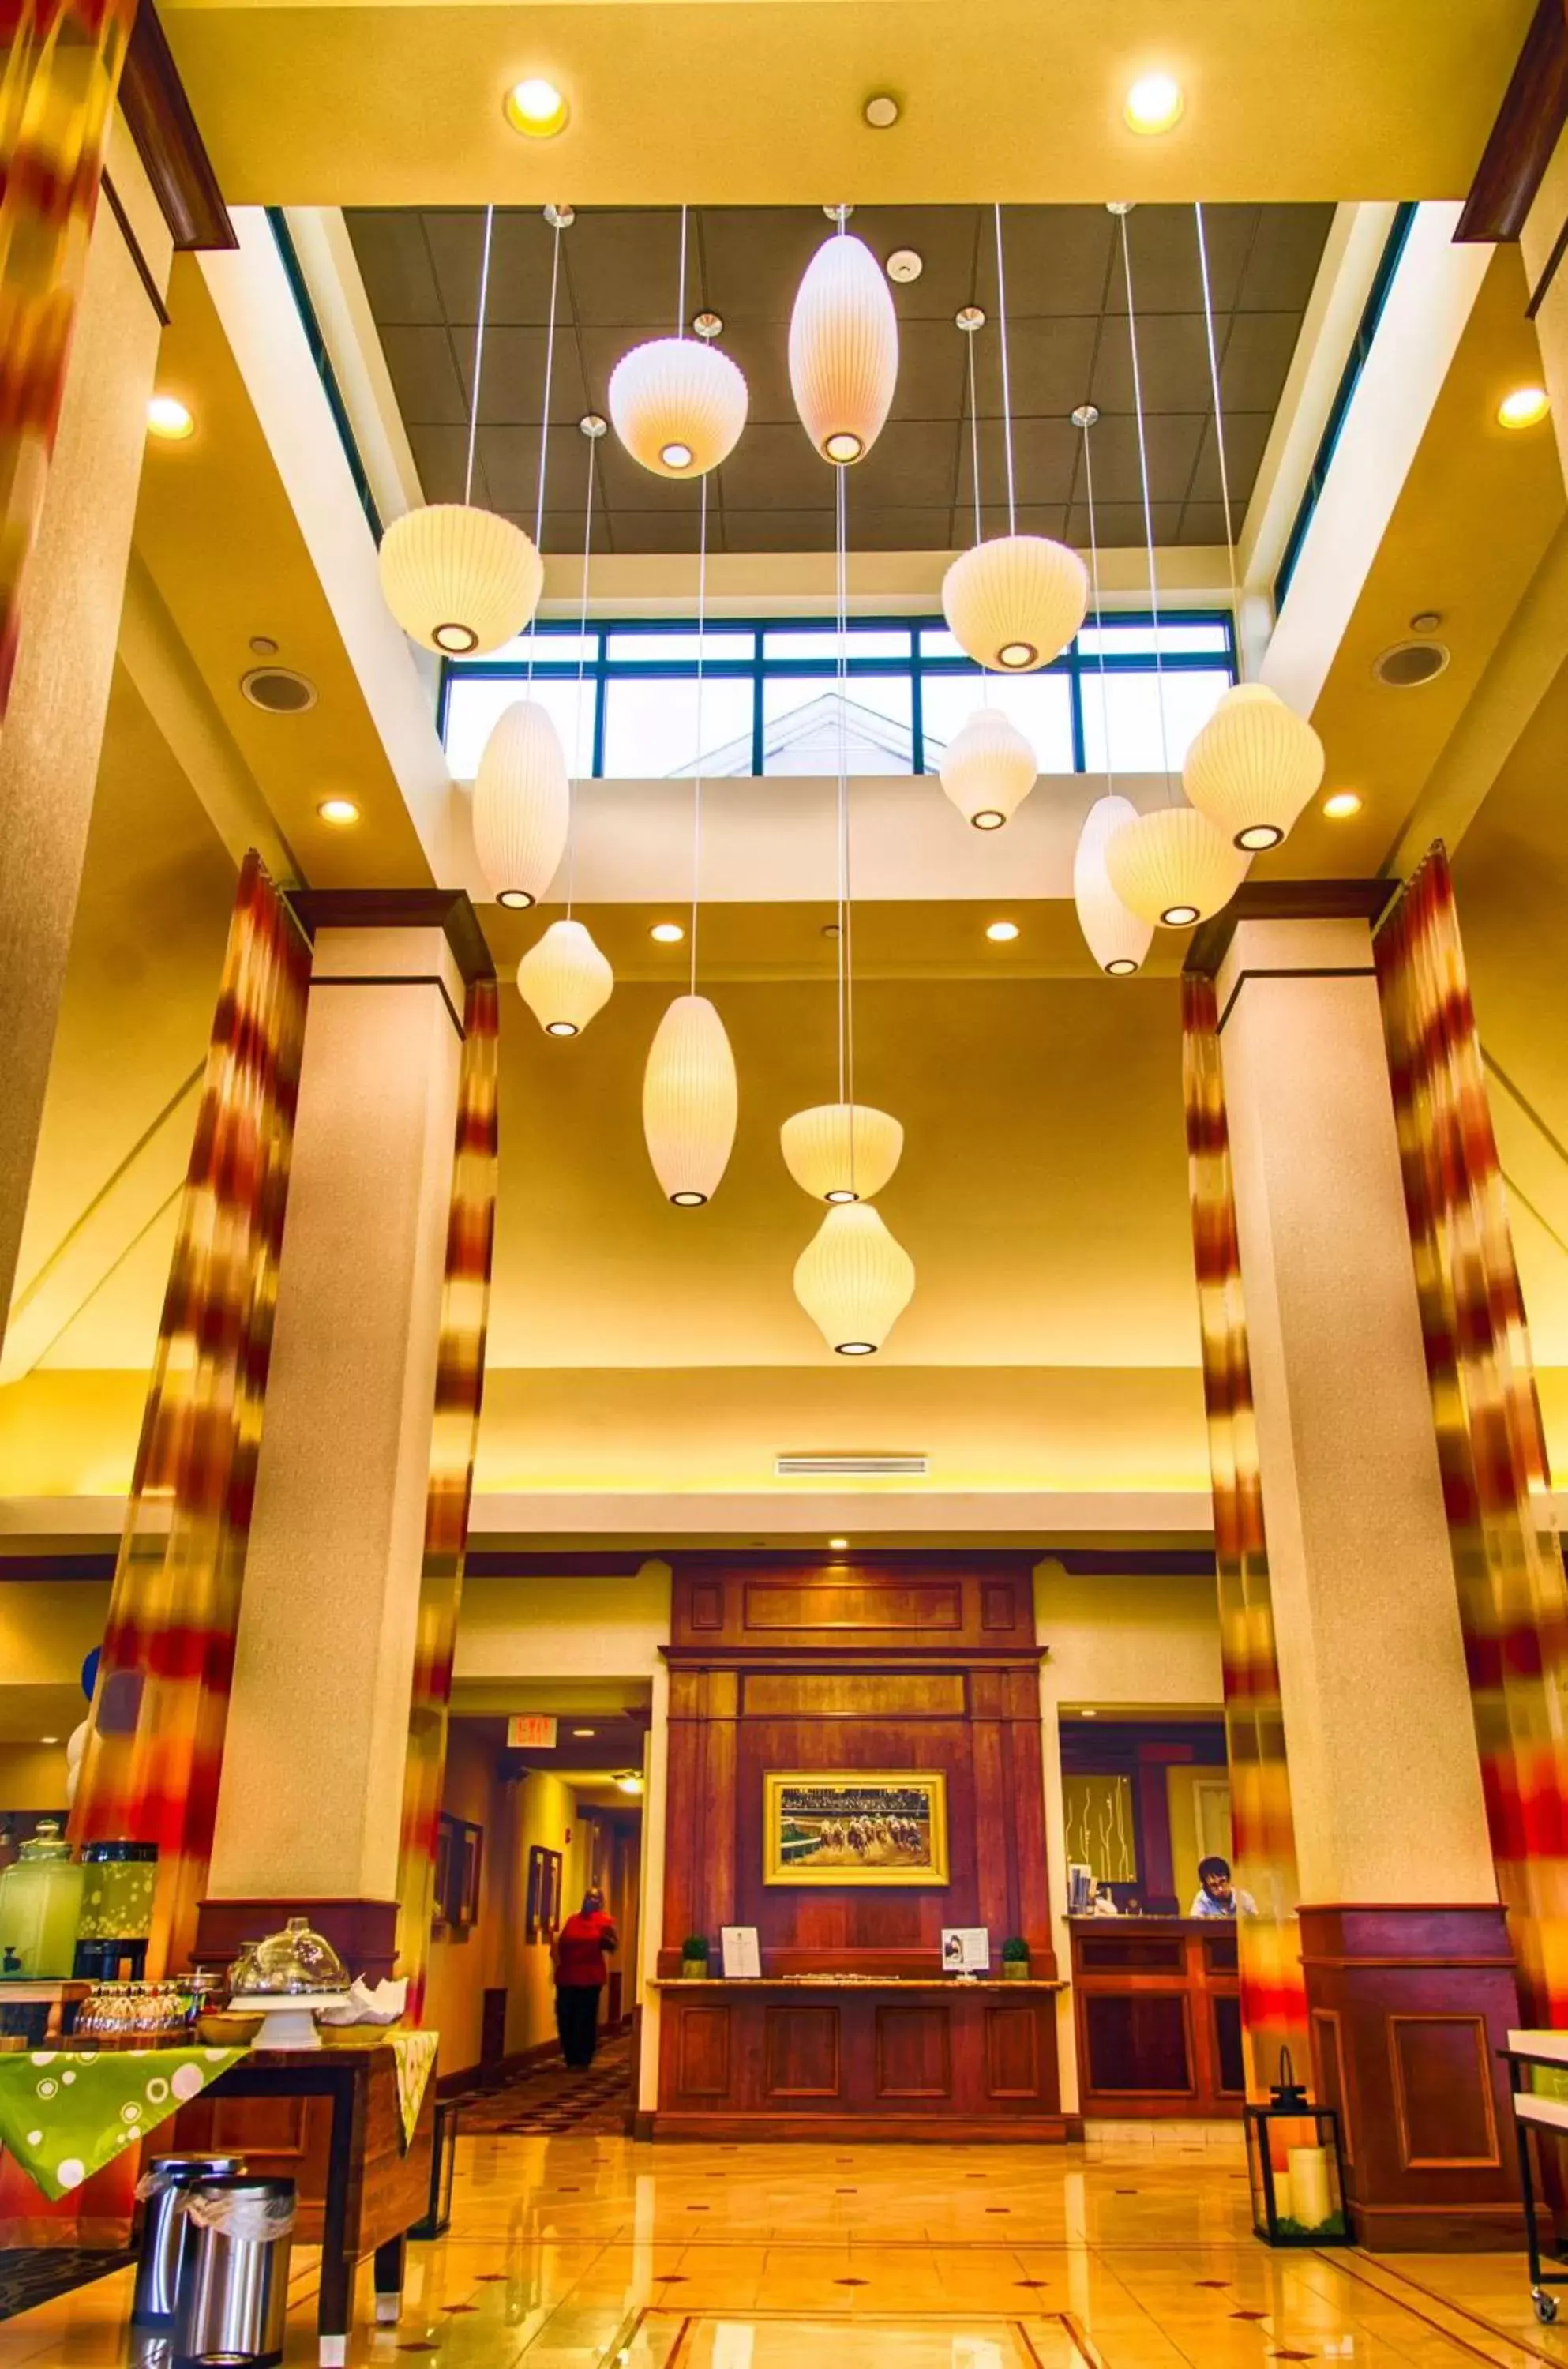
531	1730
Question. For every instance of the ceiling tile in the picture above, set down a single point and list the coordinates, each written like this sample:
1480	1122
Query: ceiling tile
773	467
757	350
425	377
1045	454
395	264
910	468
1119	525
943	236
1257	356
1284	256
901	529
512	377
754	255
1048	364
778	530
625	267
1246	433
1162	242
1173	361
1057	259
1172	440
931	372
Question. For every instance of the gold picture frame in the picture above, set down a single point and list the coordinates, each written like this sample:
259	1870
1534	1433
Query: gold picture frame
853	1827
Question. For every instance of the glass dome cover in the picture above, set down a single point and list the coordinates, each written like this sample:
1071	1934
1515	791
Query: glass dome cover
288	1964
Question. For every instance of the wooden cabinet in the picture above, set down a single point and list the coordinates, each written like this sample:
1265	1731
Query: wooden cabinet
1158	2011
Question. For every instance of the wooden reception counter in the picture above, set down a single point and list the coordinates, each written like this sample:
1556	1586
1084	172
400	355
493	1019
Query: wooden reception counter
1157	2012
804	2056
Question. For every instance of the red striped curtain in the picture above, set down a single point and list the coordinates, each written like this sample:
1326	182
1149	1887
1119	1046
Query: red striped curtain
1273	1999
460	1386
150	1773
1507	1556
63	61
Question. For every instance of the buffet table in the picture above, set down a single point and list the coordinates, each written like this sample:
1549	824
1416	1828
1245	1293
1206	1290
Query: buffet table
858	2057
1158	2013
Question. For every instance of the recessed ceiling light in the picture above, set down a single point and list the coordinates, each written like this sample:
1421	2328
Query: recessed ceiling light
1426	620
904	265
339	811
837	1544
278	691
667	933
1153	104
582	1730
830	928
707	324
1342	803
262	646
1088	1714
881	112
535	107
1523	408
168	418
631	1782
49	1739
1002	932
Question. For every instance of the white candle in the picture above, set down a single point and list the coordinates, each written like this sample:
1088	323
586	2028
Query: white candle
1308	2175
1282	2207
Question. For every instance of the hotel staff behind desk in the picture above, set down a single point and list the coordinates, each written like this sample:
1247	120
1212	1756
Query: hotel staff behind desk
1215	1894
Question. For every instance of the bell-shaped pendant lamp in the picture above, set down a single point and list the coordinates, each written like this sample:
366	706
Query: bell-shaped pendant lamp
521	805
457	579
1254	766
1116	937
1172	866
988	769
1016	603
679	406
844	349
565	980
689	1102
853	1280
841	1151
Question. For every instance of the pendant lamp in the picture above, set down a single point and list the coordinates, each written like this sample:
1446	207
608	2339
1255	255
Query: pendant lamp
843	348
1172	866
1116	936
988	769
689	1102
565	980
679	406
1254	766
853	1280
1014	603
841	1151
521	805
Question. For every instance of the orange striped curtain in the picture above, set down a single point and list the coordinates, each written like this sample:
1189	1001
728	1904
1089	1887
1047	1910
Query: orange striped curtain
1273	2001
460	1387
150	1773
62	66
1507	1556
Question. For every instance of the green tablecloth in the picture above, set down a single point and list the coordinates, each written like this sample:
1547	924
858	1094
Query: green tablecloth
414	2053
66	2113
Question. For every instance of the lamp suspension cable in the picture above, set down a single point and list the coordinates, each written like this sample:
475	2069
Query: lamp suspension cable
1219	435
697	781
969	337
479	355
1006	382
1121	211
557	226
846	908
1085	418
681	282
593	436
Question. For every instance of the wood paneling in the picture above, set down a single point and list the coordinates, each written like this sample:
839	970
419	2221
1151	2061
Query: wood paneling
1443	2102
1012	2050
862	1694
801	2051
702	2050
926	1602
1157	2016
912	2056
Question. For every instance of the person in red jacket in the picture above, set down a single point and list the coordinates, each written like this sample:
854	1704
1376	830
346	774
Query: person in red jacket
577	1953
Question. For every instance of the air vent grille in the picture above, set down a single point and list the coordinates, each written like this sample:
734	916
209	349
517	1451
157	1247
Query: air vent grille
1410	664
280	690
864	1464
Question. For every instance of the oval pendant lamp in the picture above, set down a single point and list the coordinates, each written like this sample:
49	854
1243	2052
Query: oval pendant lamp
1254	766
854	1280
1014	603
521	805
843	348
689	1102
565	980
679	406
1118	938
988	770
841	1151
1172	866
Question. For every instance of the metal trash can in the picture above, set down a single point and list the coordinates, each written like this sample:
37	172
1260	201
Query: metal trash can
164	2233
234	2280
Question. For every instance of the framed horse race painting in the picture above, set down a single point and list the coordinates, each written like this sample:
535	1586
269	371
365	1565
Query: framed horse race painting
849	1826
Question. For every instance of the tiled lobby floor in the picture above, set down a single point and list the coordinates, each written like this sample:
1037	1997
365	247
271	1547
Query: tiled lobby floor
579	2250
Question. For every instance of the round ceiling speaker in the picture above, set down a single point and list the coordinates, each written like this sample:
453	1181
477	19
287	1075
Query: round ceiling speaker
458	580
689	1102
844	349
679	406
841	1151
278	690
853	1280
1254	766
1408	665
1014	603
988	769
565	980
1116	936
1172	866
521	805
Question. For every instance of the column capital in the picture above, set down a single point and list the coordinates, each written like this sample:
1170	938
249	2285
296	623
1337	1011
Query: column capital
447	909
1212	951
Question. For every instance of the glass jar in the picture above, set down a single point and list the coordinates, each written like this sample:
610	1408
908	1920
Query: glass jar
117	1882
40	1900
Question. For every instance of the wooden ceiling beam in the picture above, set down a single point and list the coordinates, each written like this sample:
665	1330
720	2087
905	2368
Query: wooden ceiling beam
1529	123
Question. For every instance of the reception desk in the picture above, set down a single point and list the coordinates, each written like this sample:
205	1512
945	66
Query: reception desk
797	2057
1158	2013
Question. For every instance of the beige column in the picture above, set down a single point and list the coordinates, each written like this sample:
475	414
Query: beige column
52	733
312	1790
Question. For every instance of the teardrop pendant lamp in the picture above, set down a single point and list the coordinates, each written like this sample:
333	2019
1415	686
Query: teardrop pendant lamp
843	348
1014	603
854	1280
988	770
457	578
677	403
1116	936
841	1151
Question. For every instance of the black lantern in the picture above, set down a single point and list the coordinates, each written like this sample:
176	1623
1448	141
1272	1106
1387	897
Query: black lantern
1294	2168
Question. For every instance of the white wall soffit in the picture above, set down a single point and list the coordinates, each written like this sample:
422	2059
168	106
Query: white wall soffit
331	269
261	321
1434	288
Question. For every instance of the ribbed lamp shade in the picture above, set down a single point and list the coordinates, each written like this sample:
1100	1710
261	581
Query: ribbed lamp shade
679	406
853	1280
1117	939
457	579
1173	866
1254	766
689	1102
521	805
565	980
988	769
1014	603
844	349
841	1151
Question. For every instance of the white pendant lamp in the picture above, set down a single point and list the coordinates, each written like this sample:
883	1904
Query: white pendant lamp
565	980
841	1151
853	1280
521	805
988	770
1014	603
458	579
843	348
1254	766
679	406
1116	937
689	1102
1172	866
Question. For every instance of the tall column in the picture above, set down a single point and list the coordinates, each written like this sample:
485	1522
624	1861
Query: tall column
312	1793
1409	1972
